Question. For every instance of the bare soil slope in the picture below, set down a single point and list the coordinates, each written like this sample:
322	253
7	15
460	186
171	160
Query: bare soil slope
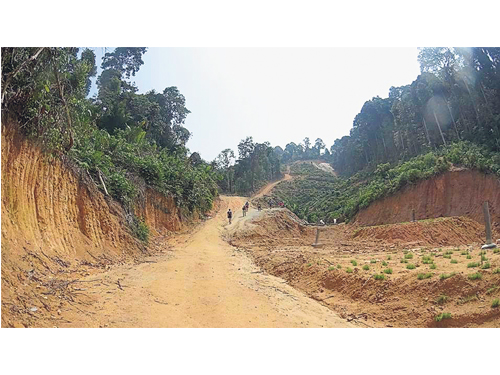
458	193
56	224
340	275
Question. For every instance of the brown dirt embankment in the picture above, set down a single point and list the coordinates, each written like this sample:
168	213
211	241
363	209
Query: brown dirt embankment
457	193
425	266
57	225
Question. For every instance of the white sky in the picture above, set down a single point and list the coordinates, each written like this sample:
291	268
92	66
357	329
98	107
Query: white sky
278	95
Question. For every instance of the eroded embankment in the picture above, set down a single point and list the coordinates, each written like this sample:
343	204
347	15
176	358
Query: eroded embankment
424	274
458	193
56	224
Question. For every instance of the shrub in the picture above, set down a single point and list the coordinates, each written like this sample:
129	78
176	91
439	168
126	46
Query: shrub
384	263
349	270
495	303
339	266
433	266
454	261
475	276
331	268
373	261
426	259
389	257
410	266
388	271
447	256
472	265
442	316
483	258
404	261
496	251
497	270
141	230
379	277
464	253
366	267
486	266
354	262
469	256
409	256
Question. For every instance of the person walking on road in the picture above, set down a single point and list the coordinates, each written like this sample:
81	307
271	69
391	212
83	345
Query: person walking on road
229	215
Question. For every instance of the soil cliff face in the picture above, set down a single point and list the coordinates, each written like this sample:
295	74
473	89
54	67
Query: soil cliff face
458	193
55	221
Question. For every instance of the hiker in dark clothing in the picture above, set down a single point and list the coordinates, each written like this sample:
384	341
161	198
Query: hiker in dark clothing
229	215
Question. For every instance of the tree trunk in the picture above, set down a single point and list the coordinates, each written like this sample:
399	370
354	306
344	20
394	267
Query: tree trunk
439	127
427	132
453	119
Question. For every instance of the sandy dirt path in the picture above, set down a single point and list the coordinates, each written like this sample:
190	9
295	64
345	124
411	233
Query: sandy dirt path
205	282
267	189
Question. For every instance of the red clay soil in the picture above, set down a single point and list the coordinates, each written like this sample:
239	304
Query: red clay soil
457	193
57	225
452	231
401	299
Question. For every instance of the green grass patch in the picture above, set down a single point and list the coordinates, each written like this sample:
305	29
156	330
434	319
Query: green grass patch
433	266
366	267
497	270
308	264
483	258
422	276
454	261
468	299
447	256
349	270
331	268
389	257
409	256
486	266
495	303
473	265
404	261
442	299
475	276
410	266
469	256
354	263
379	276
388	271
496	251
442	316
445	276
339	266
493	289
373	261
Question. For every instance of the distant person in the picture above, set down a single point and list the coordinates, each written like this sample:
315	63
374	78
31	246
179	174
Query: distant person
229	215
334	221
244	209
247	205
259	207
270	204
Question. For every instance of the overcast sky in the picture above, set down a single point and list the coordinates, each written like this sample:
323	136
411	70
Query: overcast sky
278	95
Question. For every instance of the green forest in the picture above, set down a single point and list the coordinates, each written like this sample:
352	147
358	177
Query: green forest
124	140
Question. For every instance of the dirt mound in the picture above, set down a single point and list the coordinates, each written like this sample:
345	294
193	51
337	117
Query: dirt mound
451	231
457	193
274	227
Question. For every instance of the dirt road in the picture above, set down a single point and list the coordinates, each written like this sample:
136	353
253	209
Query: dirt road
205	282
267	189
